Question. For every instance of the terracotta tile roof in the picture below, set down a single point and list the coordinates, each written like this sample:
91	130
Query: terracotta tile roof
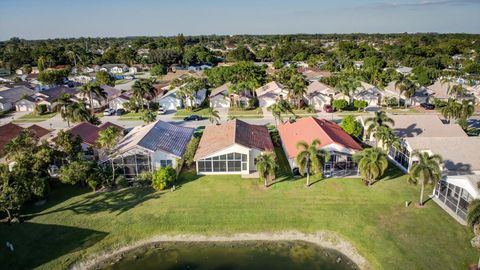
216	138
110	124
89	133
38	131
309	128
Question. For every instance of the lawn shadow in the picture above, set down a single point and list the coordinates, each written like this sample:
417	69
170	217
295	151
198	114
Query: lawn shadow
392	172
32	249
112	202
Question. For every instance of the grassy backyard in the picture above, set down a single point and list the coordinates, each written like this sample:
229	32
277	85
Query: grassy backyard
242	113
34	117
75	223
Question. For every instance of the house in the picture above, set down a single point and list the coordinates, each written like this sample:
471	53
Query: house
319	94
115	68
440	90
119	102
150	147
170	101
454	194
333	139
9	97
221	98
26	104
9	131
404	70
89	134
47	97
369	93
421	95
269	93
110	92
427	133
83	79
313	74
231	148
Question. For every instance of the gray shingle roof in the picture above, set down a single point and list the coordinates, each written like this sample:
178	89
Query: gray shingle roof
15	94
57	91
158	136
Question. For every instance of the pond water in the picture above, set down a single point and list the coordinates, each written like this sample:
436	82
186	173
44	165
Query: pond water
249	255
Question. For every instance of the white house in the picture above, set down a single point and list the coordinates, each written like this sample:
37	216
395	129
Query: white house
219	97
148	148
9	97
421	95
170	101
115	68
119	102
369	93
231	148
270	93
26	104
319	94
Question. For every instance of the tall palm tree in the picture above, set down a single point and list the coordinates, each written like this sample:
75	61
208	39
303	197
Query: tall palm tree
451	109
456	90
90	89
406	87
466	109
348	86
473	216
279	108
61	104
143	89
379	119
107	140
426	171
213	116
372	163
266	165
310	159
78	112
401	79
385	135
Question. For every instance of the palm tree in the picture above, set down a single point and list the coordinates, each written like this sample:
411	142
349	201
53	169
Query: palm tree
310	159
78	112
266	165
348	86
279	108
380	119
90	89
426	171
401	79
372	163
407	87
213	116
456	90
385	135
466	109
473	216
451	109
143	89
61	104
107	140
149	117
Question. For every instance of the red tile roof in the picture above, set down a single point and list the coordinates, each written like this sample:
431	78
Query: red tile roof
216	138
38	131
309	128
10	131
89	133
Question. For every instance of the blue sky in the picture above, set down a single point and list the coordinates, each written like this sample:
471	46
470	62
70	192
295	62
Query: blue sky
39	19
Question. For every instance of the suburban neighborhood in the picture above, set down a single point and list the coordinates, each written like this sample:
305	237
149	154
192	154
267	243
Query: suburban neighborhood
241	151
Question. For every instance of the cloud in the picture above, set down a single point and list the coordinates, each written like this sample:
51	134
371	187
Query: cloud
426	3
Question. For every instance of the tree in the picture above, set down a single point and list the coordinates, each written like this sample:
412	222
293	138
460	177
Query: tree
241	53
348	86
104	78
90	89
213	116
143	89
53	77
351	126
426	171
451	110
266	165
149	117
360	104
107	140
70	146
78	112
467	109
372	163
61	104
456	90
163	177
158	70
380	119
473	216
190	151
310	159
279	108
339	104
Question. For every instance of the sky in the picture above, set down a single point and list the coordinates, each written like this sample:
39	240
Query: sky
42	19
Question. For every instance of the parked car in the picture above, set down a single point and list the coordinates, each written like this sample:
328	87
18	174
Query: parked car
427	106
120	112
327	108
108	112
193	117
161	110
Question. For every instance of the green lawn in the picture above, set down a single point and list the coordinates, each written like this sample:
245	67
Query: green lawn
132	116
123	81
186	112
243	113
34	117
75	223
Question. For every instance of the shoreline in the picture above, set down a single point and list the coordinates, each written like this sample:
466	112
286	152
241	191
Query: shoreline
324	239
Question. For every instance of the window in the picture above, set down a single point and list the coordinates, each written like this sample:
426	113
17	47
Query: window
232	162
165	163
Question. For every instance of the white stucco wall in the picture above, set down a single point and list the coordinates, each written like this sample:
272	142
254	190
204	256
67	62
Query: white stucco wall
220	102
161	155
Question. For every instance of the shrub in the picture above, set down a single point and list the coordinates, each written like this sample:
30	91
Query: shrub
158	70
340	104
121	181
360	104
41	109
278	64
163	178
144	178
391	101
351	126
190	151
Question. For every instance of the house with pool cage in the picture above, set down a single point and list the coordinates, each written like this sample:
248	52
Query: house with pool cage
150	147
333	139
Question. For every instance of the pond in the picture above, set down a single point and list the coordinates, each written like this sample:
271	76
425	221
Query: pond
249	255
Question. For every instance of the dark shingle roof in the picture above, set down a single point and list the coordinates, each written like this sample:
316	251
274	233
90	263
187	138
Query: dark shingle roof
15	94
57	91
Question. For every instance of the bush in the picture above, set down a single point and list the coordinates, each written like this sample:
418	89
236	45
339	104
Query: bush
340	104
121	181
144	178
391	101
163	177
190	151
41	109
158	70
360	104
278	64
351	126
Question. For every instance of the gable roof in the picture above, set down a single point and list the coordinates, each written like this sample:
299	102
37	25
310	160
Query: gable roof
317	87
155	136
38	131
89	133
112	92
57	91
10	131
440	89
424	125
310	128
216	138
269	88
15	94
222	88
